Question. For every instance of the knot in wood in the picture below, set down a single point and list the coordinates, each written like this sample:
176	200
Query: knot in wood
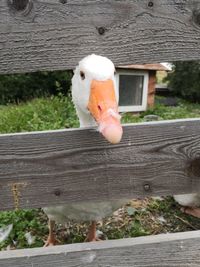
20	5
196	17
147	187
101	30
57	192
150	4
194	168
63	1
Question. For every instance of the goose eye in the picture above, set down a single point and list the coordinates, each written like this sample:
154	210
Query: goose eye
82	74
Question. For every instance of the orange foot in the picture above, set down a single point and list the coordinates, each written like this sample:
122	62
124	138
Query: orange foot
51	241
92	239
91	236
191	211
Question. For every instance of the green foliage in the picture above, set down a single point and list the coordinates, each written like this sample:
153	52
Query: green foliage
164	207
183	110
185	80
22	87
131	118
23	221
58	112
39	114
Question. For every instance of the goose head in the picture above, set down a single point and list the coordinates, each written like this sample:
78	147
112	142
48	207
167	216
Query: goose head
95	96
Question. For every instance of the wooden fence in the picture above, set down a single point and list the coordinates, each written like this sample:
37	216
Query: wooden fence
162	158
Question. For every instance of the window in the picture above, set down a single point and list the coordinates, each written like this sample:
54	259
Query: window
133	89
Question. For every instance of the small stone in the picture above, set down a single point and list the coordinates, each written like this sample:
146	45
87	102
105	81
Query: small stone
152	118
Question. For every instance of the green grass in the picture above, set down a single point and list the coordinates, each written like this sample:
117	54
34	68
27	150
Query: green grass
183	110
23	221
40	114
58	112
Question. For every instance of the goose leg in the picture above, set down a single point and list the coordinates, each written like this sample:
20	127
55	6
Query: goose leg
191	211
91	236
51	240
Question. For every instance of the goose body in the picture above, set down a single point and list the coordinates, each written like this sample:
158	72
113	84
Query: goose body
190	203
189	200
83	211
96	101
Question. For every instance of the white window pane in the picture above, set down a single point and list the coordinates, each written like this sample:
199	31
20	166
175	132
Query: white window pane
130	89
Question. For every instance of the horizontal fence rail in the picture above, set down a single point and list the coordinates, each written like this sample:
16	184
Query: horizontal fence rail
180	249
53	34
54	167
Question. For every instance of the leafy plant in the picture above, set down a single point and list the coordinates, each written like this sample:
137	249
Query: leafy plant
16	88
185	80
183	110
39	114
23	221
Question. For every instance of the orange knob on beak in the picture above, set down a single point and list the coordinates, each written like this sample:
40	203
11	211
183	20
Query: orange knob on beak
103	107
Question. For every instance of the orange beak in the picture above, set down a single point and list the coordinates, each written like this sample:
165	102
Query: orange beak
103	107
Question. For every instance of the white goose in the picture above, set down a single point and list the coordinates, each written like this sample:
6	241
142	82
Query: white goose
95	97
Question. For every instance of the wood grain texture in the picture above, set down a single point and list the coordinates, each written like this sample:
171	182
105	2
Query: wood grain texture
48	168
49	35
165	250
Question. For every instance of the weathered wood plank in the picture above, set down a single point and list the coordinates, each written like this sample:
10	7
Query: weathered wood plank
49	35
48	168
180	249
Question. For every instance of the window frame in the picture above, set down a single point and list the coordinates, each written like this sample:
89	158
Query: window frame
134	108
